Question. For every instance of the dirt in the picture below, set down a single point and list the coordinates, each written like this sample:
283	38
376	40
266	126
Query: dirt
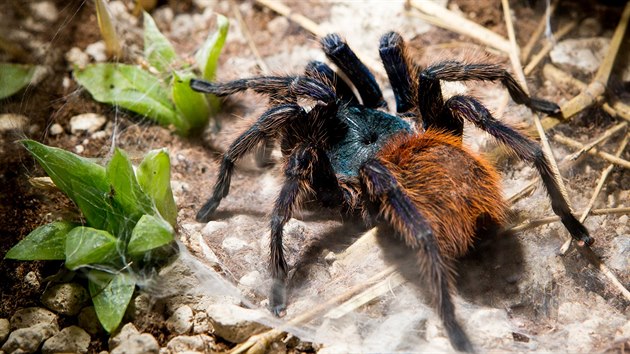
534	284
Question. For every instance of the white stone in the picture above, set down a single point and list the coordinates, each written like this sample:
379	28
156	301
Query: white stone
97	51
181	321
55	129
234	323
10	121
5	329
77	57
200	343
30	316
66	299
45	10
126	332
251	280
28	340
69	340
87	122
583	54
139	343
213	226
233	244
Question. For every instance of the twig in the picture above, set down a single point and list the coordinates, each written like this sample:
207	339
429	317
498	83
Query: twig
605	136
550	219
598	189
527	49
248	36
594	151
536	59
598	86
442	17
315	29
618	109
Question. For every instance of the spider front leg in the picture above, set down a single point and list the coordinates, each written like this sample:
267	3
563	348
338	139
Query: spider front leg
318	70
465	107
266	126
382	188
394	58
299	171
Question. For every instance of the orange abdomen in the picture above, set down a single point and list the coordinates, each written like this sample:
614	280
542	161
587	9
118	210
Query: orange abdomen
450	186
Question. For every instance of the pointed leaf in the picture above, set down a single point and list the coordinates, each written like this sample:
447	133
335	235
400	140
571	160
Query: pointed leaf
111	295
154	177
126	190
158	51
46	242
81	179
191	105
131	88
150	232
208	55
85	245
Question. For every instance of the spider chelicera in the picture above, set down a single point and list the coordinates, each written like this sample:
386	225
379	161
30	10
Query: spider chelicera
408	170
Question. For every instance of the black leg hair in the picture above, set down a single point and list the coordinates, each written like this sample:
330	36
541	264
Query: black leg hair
392	51
457	71
317	69
396	207
280	88
340	53
465	107
298	178
267	126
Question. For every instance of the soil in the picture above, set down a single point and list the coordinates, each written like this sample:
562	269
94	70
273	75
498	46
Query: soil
532	297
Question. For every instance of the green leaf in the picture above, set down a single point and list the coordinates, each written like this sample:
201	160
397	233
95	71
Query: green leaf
127	193
81	179
192	105
14	77
46	242
85	245
150	232
111	295
154	177
158	51
131	88
208	55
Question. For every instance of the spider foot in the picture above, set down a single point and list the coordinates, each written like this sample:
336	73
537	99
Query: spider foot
544	106
206	211
278	298
578	231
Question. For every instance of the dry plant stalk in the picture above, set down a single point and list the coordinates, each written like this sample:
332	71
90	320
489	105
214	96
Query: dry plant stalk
548	220
108	30
542	24
442	17
248	36
536	59
594	151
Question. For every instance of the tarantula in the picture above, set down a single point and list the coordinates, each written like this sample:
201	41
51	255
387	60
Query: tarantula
408	170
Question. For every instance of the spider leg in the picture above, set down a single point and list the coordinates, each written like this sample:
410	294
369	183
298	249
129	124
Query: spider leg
280	88
392	51
266	126
298	175
465	107
340	53
317	69
457	71
401	213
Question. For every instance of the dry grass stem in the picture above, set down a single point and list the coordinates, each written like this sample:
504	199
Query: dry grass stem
536	59
550	219
594	151
315	29
248	36
444	18
108	31
598	86
602	138
542	24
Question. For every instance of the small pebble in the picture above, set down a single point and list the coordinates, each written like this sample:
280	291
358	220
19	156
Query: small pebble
10	121
87	122
55	129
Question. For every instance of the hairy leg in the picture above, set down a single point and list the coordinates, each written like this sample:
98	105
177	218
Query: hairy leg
392	51
465	107
340	53
401	213
317	70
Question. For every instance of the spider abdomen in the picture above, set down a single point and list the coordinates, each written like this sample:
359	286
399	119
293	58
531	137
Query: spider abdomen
450	185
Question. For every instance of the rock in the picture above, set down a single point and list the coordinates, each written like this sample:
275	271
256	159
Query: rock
251	280
181	321
28	340
30	316
620	248
278	25
234	323
45	10
233	244
330	258
5	329
89	321
200	343
65	299
201	323
126	332
55	129
213	226
77	57
87	122
10	121
97	51
139	343
69	340
583	54
31	279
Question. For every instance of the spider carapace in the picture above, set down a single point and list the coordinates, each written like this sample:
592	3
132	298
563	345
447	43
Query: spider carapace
408	170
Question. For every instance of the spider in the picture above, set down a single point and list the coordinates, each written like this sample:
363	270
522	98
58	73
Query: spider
408	170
